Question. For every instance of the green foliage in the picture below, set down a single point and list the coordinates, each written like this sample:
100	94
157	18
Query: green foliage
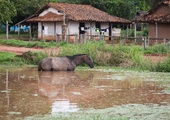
97	50
126	56
7	9
5	56
32	58
26	8
145	32
162	66
29	44
130	33
114	7
158	49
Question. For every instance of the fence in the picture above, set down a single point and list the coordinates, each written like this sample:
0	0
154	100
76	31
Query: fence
83	38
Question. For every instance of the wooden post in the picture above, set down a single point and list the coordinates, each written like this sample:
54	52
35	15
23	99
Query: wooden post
54	29
42	29
64	27
144	42
75	39
7	88
19	31
164	41
30	32
112	39
7	31
127	32
135	31
156	26
57	38
6	80
148	41
64	32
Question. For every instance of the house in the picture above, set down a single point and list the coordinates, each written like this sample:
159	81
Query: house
158	19
70	19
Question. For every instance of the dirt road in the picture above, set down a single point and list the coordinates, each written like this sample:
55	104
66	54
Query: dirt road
20	50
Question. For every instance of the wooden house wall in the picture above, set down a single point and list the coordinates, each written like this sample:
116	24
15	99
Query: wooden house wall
163	29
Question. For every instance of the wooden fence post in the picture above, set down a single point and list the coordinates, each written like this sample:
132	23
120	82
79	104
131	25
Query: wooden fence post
75	38
144	42
56	38
164	40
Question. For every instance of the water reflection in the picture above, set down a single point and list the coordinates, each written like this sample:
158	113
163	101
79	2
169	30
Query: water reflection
63	105
54	85
27	92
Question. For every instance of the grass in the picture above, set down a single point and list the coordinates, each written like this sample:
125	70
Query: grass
6	56
125	56
30	44
158	49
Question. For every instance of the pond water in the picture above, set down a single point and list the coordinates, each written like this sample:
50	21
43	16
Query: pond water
26	93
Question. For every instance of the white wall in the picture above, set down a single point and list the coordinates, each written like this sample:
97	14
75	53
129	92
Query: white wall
48	28
59	27
73	27
50	10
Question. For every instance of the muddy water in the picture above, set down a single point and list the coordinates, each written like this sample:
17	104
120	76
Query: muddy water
26	92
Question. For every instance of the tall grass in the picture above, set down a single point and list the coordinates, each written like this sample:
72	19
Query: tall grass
162	66
107	55
130	56
158	49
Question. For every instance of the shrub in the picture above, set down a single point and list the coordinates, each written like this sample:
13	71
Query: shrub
157	49
126	56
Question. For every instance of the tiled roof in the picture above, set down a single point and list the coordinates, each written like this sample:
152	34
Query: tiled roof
149	17
78	12
154	18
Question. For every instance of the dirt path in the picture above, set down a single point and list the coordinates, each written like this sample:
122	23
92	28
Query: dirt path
20	50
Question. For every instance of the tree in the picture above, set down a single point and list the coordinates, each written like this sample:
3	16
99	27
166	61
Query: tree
7	9
26	8
121	8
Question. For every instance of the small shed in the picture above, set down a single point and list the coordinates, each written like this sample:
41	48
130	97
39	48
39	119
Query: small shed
158	19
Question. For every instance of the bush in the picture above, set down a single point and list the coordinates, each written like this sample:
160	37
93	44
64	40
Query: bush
126	56
158	49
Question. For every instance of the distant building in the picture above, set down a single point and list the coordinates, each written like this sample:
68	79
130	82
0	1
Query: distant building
158	19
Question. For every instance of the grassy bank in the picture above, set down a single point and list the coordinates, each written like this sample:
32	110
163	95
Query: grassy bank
124	56
30	44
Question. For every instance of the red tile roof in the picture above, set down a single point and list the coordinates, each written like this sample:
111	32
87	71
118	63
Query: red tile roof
149	17
77	12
